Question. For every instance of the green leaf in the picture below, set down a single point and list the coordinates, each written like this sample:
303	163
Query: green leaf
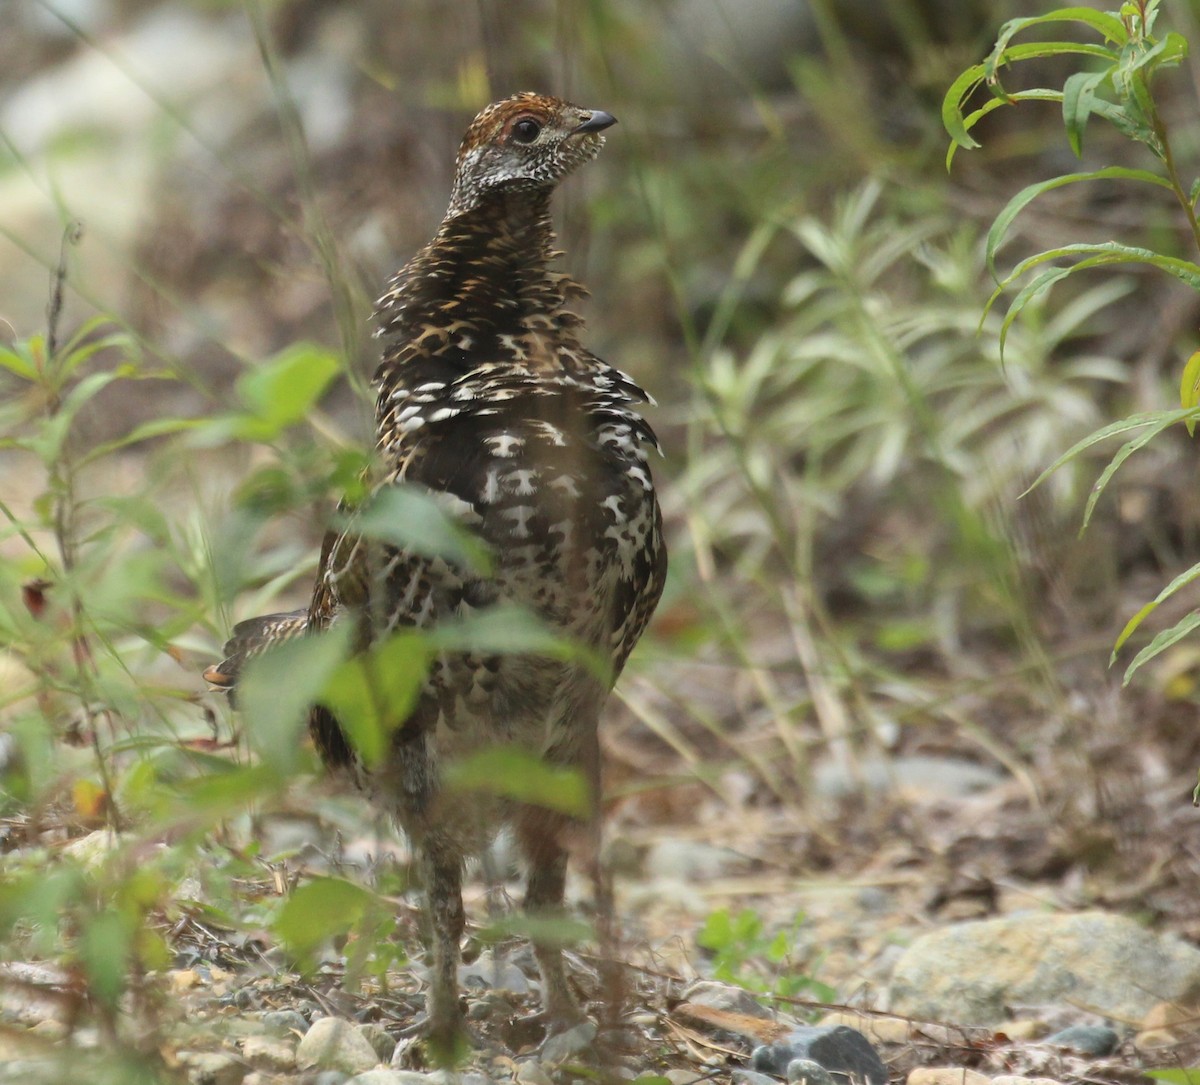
1111	252
1032	290
423	522
1189	389
1035	51
373	693
969	122
320	909
19	361
1027	195
275	395
156	427
1162	642
1125	451
1113	429
1106	24
277	689
1181	581
556	931
225	789
1177	1075
284	388
507	630
104	947
1079	92
510	772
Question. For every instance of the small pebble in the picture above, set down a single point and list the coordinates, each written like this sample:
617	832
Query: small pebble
270	1052
565	1045
807	1072
839	1049
285	1022
724	996
945	1075
751	1077
1018	1079
1095	1040
335	1044
531	1073
378	1038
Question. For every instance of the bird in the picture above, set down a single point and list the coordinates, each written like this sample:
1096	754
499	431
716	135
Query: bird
488	401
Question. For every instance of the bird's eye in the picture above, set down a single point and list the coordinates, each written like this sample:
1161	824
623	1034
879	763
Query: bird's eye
526	130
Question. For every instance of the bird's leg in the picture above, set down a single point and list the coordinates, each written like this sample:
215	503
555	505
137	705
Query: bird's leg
544	899
443	887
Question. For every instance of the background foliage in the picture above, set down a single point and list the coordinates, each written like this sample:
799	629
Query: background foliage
211	194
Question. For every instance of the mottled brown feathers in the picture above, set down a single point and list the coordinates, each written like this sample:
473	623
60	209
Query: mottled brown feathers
488	399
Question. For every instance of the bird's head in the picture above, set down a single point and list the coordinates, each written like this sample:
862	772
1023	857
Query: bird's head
526	141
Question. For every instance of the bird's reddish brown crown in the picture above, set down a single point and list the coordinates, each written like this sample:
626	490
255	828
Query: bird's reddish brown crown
528	140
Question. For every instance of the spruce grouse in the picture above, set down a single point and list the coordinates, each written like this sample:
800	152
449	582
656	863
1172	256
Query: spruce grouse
487	398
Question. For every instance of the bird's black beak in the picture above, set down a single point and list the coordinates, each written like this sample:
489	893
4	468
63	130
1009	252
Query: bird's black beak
597	122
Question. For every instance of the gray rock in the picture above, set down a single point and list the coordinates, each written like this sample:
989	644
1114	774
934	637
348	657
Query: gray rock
689	860
750	1077
530	1072
212	1067
565	1045
836	1048
807	1072
330	1077
486	971
285	1022
1095	1040
378	1038
335	1044
382	1076
270	1052
971	973
918	777
724	996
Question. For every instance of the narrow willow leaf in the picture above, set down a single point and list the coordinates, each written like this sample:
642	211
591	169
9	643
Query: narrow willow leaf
1037	50
1189	389
1027	195
1113	429
1114	465
952	102
1130	627
1034	289
1079	93
1162	642
1108	25
1038	94
1181	581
